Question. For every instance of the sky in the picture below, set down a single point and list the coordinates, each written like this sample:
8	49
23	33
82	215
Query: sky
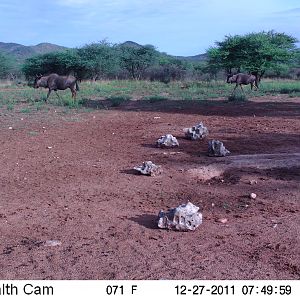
184	28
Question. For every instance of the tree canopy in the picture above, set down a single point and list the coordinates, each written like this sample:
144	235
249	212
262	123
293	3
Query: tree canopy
137	59
254	52
64	62
94	61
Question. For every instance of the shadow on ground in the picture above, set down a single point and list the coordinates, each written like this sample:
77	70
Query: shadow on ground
205	107
146	220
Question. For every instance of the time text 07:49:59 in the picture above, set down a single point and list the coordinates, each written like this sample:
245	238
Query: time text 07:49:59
231	290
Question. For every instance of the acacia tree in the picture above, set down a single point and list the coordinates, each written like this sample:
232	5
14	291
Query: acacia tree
63	63
254	52
137	59
98	59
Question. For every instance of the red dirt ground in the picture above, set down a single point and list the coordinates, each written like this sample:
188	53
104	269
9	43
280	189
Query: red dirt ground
72	208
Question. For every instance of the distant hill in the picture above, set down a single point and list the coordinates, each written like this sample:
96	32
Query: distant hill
131	44
195	58
22	52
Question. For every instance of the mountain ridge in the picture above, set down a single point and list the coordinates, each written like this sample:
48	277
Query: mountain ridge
21	52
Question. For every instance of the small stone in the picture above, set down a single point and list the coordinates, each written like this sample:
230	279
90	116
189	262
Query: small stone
253	195
253	182
222	220
52	243
49	147
10	127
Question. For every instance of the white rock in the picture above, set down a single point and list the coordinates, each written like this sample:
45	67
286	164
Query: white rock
253	195
149	168
52	243
167	141
222	220
185	217
216	148
197	132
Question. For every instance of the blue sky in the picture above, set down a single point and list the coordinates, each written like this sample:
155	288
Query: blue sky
186	27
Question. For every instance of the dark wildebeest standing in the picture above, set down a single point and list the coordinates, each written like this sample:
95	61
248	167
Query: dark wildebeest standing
242	78
56	82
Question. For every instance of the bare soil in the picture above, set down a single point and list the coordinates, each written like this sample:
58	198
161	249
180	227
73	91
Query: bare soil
71	207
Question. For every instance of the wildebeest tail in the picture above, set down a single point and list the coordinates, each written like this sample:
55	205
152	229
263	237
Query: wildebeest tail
77	86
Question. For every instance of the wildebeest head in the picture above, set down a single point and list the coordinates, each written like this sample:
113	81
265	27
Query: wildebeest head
40	81
231	78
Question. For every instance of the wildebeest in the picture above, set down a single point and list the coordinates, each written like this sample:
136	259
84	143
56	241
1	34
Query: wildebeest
242	78
56	82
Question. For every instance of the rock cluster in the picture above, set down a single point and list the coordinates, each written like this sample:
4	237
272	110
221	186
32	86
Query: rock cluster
185	217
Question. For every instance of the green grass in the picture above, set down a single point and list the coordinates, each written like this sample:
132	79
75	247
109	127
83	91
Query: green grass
26	110
279	87
10	106
120	91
